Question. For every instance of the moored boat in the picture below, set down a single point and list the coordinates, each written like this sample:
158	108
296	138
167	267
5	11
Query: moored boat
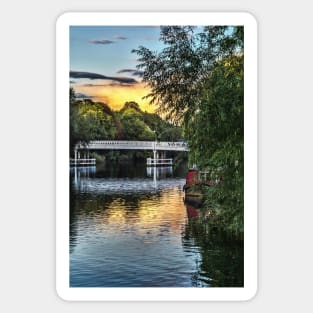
193	193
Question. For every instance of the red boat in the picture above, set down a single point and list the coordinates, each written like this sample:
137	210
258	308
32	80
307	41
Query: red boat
191	178
192	212
192	195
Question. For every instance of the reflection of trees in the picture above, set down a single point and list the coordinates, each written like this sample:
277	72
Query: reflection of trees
221	258
102	209
73	224
121	169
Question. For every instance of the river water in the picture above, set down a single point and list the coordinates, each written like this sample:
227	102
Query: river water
129	227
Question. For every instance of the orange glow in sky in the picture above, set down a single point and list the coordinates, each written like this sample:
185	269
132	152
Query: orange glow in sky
116	95
103	67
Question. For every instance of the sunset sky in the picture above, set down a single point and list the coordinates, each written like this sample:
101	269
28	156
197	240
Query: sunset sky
102	66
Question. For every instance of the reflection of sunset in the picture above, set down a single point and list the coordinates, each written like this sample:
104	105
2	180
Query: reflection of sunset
116	95
116	216
165	215
171	212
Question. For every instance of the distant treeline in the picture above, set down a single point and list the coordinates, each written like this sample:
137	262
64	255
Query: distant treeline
91	120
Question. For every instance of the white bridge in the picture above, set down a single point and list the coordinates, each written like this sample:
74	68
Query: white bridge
132	145
158	147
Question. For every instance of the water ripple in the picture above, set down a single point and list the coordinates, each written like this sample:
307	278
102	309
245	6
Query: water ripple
135	233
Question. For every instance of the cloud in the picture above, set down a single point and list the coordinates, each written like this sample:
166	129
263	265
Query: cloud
78	74
82	96
101	41
120	37
113	84
131	71
72	82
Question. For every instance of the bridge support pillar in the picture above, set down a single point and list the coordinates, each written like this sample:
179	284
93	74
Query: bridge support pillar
155	156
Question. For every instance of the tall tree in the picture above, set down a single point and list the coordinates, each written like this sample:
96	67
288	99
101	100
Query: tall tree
197	80
176	74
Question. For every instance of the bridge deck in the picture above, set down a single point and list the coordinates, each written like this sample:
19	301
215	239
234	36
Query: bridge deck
133	145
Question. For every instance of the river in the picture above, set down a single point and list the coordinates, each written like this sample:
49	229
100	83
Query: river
129	227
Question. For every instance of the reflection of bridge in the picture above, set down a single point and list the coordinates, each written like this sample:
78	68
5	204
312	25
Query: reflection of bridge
155	146
85	178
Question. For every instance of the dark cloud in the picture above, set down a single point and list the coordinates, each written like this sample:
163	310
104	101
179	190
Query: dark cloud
131	71
114	84
78	74
82	96
94	85
120	37
101	41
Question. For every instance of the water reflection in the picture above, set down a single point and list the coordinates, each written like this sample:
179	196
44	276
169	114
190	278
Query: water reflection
221	258
88	180
160	172
132	230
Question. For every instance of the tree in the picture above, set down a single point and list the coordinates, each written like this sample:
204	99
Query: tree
73	119
90	120
197	81
216	139
93	122
176	74
133	125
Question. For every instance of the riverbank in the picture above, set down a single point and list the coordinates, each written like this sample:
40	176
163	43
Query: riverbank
206	189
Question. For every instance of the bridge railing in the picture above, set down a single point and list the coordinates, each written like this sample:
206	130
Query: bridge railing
153	162
124	144
171	144
120	142
75	162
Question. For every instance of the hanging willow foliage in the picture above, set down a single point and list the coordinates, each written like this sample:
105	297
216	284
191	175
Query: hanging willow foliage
197	81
